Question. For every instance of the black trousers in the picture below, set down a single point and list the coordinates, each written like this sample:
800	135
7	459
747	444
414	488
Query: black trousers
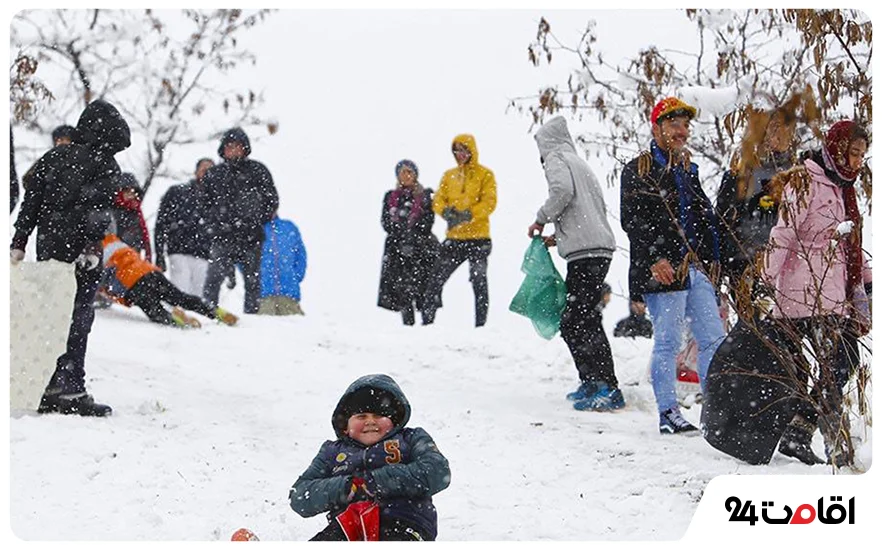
390	530
453	253
836	349
153	289
580	323
223	259
70	370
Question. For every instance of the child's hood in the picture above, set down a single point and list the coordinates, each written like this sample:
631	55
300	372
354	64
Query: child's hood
377	388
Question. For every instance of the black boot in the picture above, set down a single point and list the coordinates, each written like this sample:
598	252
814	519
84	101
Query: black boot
796	442
73	404
407	315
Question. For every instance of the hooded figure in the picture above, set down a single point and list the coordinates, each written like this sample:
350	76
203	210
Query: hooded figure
68	197
584	239
466	197
400	472
240	198
69	191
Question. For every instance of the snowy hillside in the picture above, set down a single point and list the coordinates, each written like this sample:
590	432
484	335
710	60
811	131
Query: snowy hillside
211	428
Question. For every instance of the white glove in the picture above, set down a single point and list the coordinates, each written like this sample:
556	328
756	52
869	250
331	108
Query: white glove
88	261
16	256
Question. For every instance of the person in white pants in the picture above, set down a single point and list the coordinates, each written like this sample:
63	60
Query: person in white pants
180	233
187	272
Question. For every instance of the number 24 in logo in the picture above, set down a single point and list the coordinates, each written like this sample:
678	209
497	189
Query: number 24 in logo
393	452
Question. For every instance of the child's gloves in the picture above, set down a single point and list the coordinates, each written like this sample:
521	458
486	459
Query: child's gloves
361	487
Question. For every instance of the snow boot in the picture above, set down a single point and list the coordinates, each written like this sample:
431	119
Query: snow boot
604	399
80	403
796	442
673	422
225	317
181	319
584	390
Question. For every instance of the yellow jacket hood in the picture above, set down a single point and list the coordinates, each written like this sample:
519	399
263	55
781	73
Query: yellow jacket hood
469	141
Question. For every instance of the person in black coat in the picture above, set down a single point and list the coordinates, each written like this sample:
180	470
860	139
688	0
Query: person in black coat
241	198
68	196
411	248
180	232
748	209
128	216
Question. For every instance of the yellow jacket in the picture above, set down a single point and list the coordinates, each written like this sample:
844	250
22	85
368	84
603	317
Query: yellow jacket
468	187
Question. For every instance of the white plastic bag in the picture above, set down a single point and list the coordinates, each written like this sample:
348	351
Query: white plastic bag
41	298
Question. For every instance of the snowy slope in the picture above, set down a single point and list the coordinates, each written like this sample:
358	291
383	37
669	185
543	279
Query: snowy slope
212	427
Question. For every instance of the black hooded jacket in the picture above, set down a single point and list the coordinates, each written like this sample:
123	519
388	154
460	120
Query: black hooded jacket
240	196
69	191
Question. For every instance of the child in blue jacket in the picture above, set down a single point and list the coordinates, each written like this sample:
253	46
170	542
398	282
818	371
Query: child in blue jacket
377	479
282	268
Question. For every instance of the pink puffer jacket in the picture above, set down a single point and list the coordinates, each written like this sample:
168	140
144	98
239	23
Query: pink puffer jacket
804	265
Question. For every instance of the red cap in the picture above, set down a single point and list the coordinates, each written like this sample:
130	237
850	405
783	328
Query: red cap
671	107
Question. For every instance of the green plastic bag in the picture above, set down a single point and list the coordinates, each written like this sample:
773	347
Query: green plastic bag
543	294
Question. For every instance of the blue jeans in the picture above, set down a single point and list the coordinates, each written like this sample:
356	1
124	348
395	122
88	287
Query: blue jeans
669	312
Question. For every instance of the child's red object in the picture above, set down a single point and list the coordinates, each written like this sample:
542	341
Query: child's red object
244	534
361	521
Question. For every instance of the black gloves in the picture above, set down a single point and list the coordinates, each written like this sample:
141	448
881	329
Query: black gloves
454	217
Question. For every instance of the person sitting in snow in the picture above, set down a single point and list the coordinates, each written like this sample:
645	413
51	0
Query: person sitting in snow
147	288
129	225
636	324
377	479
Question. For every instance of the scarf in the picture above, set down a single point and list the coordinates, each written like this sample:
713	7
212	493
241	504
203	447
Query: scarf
687	199
835	150
833	157
401	195
854	252
134	205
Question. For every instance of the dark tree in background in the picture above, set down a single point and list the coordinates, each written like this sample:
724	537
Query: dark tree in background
168	71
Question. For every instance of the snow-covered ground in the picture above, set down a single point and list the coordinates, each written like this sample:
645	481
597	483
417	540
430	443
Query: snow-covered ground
211	427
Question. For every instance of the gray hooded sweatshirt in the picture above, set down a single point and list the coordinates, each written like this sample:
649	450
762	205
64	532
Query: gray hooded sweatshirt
575	199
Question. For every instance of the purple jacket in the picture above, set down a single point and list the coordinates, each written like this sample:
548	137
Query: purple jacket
804	265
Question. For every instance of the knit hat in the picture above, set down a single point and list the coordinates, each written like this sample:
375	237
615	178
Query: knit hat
371	400
407	163
836	144
669	108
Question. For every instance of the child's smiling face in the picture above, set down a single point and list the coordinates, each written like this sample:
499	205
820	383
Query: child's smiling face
368	428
